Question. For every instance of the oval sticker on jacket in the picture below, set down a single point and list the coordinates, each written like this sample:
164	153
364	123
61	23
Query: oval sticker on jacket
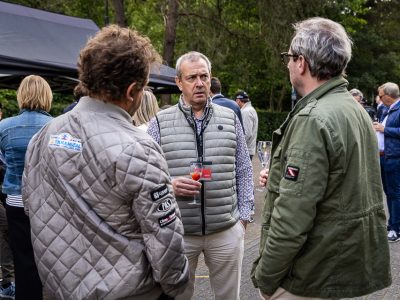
165	206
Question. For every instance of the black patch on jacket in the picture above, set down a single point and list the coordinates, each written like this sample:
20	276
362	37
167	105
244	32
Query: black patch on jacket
167	219
164	206
159	193
292	173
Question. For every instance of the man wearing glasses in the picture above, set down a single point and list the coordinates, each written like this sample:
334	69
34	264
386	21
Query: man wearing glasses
323	233
388	134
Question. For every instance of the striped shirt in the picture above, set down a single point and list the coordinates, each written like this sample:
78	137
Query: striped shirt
14	200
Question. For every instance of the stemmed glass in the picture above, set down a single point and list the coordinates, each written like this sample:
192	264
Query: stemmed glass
196	169
264	155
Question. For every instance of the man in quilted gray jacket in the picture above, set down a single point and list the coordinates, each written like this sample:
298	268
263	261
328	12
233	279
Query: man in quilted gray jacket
105	224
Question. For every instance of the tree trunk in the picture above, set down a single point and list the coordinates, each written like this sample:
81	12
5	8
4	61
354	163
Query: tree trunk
119	12
271	98
281	98
169	40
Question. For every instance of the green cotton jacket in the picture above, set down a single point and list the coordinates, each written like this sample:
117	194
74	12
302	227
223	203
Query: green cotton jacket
323	232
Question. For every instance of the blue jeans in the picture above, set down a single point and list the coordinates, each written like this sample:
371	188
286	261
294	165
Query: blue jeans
390	169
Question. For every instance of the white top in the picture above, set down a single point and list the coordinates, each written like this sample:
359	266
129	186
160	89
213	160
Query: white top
250	123
144	126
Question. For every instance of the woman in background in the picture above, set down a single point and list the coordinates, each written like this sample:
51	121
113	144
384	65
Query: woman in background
148	109
34	100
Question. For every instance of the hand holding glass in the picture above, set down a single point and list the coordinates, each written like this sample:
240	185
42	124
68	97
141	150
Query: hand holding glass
264	155
195	172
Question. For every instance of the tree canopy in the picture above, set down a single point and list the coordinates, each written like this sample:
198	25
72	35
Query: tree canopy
243	39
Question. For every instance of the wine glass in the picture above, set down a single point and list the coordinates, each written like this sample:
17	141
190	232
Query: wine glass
264	155
196	168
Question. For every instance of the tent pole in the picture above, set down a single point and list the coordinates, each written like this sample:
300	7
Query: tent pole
106	19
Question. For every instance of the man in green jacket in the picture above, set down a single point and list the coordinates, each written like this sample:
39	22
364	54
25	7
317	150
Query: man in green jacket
323	232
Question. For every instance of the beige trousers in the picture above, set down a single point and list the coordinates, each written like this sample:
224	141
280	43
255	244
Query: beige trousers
282	294
223	255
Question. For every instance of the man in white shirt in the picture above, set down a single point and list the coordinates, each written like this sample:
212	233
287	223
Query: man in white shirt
250	120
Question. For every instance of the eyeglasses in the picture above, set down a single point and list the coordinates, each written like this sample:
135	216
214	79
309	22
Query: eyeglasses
285	57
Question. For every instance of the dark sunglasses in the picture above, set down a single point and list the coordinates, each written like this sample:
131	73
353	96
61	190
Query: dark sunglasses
285	57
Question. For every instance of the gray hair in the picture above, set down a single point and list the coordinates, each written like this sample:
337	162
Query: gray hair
391	89
325	46
191	56
356	92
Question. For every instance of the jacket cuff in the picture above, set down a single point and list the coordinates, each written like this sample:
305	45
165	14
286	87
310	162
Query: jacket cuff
180	283
266	285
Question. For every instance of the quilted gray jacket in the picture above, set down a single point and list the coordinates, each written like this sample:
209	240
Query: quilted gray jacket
105	224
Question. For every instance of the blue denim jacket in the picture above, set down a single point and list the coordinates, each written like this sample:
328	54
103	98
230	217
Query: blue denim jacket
392	132
15	134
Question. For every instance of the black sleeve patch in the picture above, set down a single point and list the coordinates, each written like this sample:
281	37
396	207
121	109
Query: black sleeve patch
159	193
292	173
167	219
164	206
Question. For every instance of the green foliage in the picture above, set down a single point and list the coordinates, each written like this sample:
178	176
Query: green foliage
147	17
243	39
268	122
376	51
8	99
59	103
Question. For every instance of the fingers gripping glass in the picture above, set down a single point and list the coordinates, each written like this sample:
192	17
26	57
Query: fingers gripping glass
196	170
264	155
285	57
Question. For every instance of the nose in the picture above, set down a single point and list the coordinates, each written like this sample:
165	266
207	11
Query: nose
199	82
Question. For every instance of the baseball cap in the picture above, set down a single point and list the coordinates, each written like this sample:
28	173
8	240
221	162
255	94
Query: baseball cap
242	95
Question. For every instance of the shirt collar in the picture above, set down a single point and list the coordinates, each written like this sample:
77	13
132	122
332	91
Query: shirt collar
397	101
188	108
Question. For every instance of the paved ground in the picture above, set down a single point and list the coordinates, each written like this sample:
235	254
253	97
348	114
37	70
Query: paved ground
248	292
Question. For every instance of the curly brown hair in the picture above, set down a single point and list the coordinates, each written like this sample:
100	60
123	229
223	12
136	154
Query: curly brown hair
113	59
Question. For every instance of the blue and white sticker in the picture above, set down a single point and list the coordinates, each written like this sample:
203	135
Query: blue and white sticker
65	141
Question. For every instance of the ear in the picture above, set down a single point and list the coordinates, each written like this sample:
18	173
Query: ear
131	91
302	65
178	82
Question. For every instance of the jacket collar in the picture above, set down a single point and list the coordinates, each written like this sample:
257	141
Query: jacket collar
94	105
187	109
320	91
38	111
316	94
395	107
217	96
247	104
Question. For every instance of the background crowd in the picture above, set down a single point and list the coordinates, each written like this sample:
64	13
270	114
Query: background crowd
99	200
